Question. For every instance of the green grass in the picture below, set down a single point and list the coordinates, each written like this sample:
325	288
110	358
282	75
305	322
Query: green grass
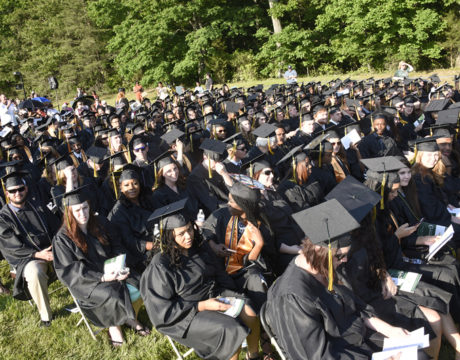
444	74
22	338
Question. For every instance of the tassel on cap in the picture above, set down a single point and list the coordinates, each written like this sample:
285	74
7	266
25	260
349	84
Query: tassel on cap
209	169
330	266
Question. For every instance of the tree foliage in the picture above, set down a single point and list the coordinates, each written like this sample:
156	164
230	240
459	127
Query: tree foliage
97	43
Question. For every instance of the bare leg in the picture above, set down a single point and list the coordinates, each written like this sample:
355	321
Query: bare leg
449	330
434	318
251	320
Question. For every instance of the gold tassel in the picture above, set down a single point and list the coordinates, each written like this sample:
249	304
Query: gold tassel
251	170
382	190
94	170
155	171
269	147
330	268
209	168
412	161
357	114
58	180
114	186
234	147
161	235
191	142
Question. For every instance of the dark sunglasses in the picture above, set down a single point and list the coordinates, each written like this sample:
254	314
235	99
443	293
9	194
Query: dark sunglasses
340	256
222	131
335	143
140	149
19	189
267	172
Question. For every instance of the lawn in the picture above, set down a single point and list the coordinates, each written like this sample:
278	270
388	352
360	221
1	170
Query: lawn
444	74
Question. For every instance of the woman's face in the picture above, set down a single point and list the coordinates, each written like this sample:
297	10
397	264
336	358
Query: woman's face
404	176
183	236
336	144
394	191
81	213
116	142
130	188
341	256
380	126
429	159
171	172
266	177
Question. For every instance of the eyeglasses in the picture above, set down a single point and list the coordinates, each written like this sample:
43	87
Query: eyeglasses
19	189
335	143
268	172
222	131
242	149
142	148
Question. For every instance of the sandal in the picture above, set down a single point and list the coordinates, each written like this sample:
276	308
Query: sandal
143	331
114	343
252	358
269	357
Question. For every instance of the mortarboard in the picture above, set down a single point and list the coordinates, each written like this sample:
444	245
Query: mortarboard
231	107
169	217
96	154
14	178
425	144
449	116
264	130
214	149
437	105
355	197
327	224
172	135
75	197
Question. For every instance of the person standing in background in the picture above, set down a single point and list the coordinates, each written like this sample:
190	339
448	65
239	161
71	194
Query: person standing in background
290	75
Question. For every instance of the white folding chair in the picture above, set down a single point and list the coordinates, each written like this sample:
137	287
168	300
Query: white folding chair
77	309
269	332
176	350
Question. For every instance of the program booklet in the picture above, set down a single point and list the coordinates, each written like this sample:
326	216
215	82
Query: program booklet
115	264
427	229
445	238
351	138
237	306
406	347
405	280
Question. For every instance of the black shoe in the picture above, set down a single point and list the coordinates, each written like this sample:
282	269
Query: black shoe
44	323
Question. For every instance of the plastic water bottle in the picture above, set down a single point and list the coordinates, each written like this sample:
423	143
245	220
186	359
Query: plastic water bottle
200	217
156	232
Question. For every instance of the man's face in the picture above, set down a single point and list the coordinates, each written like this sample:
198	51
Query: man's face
280	136
380	126
336	117
221	133
115	123
308	126
321	117
3	98
408	109
76	147
17	194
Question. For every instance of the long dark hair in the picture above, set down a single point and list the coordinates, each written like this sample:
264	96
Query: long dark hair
366	237
317	257
77	236
173	250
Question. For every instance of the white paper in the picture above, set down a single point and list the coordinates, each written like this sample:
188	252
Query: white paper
351	138
5	132
409	281
434	248
409	353
454	211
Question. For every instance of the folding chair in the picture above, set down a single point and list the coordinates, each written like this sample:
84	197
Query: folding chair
269	332
77	309
176	350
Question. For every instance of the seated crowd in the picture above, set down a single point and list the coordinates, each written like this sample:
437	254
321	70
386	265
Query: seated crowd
296	203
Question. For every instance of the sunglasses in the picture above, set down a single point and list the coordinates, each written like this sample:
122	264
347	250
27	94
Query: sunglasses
241	149
222	131
19	189
335	143
140	149
340	256
267	172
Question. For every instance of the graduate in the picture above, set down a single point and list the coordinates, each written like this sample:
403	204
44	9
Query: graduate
80	248
311	315
130	214
183	289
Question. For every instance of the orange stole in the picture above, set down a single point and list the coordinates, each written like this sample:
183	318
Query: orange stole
242	247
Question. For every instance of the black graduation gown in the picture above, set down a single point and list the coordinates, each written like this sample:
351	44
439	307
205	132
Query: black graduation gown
301	197
131	221
372	146
325	176
400	310
284	227
17	247
171	295
311	323
208	193
164	195
104	303
147	173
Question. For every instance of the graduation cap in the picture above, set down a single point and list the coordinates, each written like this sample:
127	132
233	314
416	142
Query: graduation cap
435	78
116	159
327	224
113	132
265	130
129	172
437	105
355	197
14	178
443	132
75	197
172	135
214	149
231	107
169	217
425	144
449	116
60	163
383	170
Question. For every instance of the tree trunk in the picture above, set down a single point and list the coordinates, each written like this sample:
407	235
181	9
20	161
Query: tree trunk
276	29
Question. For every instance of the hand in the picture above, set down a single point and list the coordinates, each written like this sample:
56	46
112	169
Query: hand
220	169
418	128
179	146
405	230
115	276
45	254
455	220
354	146
389	288
213	305
220	249
426	240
